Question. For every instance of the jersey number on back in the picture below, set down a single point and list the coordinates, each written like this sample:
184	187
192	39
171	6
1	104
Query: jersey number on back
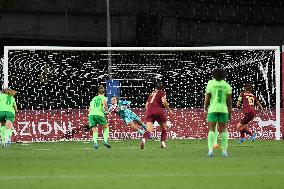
250	100
153	95
219	95
98	102
9	100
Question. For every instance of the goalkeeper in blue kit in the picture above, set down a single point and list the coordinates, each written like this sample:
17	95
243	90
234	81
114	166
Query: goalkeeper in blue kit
121	108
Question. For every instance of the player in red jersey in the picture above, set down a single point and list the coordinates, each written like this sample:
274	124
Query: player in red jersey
249	101
155	112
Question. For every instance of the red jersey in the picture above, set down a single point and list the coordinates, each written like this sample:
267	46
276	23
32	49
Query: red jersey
155	99
248	100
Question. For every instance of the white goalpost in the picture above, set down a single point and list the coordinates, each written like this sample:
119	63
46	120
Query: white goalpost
117	51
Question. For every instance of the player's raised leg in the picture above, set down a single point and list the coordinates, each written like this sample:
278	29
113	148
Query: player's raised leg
140	122
135	127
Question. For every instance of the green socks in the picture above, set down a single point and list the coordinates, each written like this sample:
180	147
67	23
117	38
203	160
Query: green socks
106	134
3	131
8	135
216	136
211	138
224	141
95	137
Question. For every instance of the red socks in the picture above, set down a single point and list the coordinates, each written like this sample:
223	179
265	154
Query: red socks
245	131
163	135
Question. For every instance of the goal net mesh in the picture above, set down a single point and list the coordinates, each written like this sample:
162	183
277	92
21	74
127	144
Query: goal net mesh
56	86
69	79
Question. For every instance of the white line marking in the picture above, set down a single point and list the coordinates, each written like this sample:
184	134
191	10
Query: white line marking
119	175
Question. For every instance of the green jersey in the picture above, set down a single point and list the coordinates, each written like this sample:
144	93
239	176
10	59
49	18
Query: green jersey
96	105
219	91
6	103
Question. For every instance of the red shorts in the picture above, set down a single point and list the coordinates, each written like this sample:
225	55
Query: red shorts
247	118
158	115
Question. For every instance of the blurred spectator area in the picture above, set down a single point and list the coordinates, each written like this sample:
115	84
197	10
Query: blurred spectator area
142	22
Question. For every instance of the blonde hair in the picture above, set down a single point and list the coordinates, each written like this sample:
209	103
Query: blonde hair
9	92
101	90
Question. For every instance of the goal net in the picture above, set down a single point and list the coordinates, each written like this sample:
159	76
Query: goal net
56	84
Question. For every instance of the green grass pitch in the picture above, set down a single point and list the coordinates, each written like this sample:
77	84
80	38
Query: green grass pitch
183	164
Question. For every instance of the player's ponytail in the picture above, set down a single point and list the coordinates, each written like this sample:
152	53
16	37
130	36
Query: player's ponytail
9	92
101	90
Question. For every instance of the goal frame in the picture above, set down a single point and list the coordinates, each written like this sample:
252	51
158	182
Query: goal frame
276	50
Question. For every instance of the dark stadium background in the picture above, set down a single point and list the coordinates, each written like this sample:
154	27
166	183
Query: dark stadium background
142	23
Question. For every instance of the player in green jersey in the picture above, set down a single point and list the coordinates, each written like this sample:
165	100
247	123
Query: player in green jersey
8	108
97	117
218	109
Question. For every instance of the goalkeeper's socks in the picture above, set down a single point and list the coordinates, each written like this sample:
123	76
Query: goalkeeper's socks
211	136
144	126
140	131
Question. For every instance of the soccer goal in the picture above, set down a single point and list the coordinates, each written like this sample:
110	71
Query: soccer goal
56	84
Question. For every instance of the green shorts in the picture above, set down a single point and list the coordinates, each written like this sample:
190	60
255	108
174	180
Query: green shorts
94	120
218	117
4	116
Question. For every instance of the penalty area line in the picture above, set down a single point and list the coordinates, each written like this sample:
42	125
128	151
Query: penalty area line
148	175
